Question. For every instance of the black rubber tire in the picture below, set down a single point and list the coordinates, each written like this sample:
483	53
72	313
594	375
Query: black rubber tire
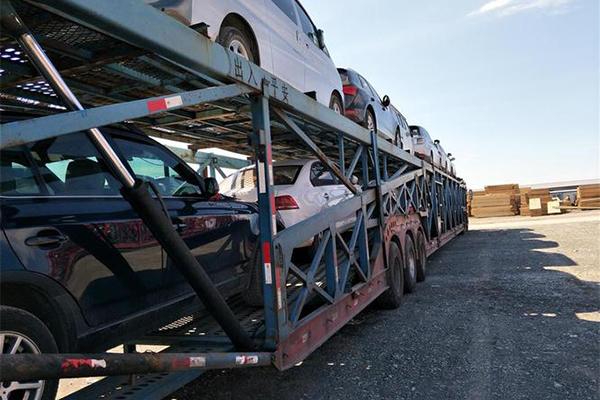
336	100
230	33
392	297
26	324
398	139
366	121
253	295
421	257
410	256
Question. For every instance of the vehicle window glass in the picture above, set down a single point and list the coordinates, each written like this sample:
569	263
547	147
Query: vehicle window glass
374	92
321	176
344	76
307	26
16	174
364	83
287	6
153	164
285	174
67	165
282	175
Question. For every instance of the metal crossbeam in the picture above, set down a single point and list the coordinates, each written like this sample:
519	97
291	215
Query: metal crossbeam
16	133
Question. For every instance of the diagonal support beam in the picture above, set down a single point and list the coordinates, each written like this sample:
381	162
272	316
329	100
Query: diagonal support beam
315	149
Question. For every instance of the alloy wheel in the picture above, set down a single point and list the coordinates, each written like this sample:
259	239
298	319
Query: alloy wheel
238	48
17	343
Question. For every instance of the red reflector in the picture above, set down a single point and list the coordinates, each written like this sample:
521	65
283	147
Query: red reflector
350	90
285	202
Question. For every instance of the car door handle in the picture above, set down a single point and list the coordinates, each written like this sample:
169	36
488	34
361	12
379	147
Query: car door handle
45	240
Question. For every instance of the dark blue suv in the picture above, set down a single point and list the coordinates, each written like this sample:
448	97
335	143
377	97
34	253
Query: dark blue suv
79	270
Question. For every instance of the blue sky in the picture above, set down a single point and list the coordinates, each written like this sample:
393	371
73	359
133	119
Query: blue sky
510	87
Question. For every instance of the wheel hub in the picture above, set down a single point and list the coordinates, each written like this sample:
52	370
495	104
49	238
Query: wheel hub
412	267
17	343
239	48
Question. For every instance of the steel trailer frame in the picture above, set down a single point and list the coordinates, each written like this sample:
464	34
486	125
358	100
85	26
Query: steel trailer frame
192	89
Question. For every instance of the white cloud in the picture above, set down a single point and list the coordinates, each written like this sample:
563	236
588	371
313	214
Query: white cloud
505	8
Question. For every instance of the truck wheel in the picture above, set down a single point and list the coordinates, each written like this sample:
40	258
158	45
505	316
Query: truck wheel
421	258
236	40
253	295
410	266
23	333
392	297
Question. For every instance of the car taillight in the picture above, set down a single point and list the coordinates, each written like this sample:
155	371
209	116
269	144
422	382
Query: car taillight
285	202
350	90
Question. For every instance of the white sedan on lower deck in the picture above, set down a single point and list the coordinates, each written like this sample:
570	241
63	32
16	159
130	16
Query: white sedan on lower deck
302	189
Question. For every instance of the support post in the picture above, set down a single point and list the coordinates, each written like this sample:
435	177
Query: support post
261	139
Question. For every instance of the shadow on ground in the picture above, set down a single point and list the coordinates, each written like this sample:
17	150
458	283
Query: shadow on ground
491	321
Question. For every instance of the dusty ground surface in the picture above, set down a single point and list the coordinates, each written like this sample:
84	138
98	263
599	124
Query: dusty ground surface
509	311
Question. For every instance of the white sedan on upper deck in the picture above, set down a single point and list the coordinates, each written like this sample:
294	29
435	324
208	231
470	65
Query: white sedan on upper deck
278	35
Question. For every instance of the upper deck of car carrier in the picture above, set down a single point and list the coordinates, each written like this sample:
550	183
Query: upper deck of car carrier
139	68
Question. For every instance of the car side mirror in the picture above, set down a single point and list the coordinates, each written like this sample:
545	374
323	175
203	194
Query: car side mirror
321	38
386	101
354	180
211	186
436	141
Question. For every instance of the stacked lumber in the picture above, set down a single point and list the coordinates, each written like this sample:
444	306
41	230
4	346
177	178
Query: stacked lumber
496	201
544	197
588	196
524	201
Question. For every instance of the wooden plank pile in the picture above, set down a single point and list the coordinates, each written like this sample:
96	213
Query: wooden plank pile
524	201
496	201
588	196
544	196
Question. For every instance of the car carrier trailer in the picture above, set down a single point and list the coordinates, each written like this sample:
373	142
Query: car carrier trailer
138	66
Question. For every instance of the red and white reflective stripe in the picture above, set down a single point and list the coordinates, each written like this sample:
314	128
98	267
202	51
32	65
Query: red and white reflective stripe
164	104
262	187
270	163
278	287
266	251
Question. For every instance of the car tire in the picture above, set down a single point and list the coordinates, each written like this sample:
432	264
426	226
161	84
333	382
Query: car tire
421	257
33	337
253	295
410	265
398	139
392	297
336	104
239	42
370	122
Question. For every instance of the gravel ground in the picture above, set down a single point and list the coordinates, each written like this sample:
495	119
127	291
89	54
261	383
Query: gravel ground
508	311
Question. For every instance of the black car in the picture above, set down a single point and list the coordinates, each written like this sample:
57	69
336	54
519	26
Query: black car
364	106
80	272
